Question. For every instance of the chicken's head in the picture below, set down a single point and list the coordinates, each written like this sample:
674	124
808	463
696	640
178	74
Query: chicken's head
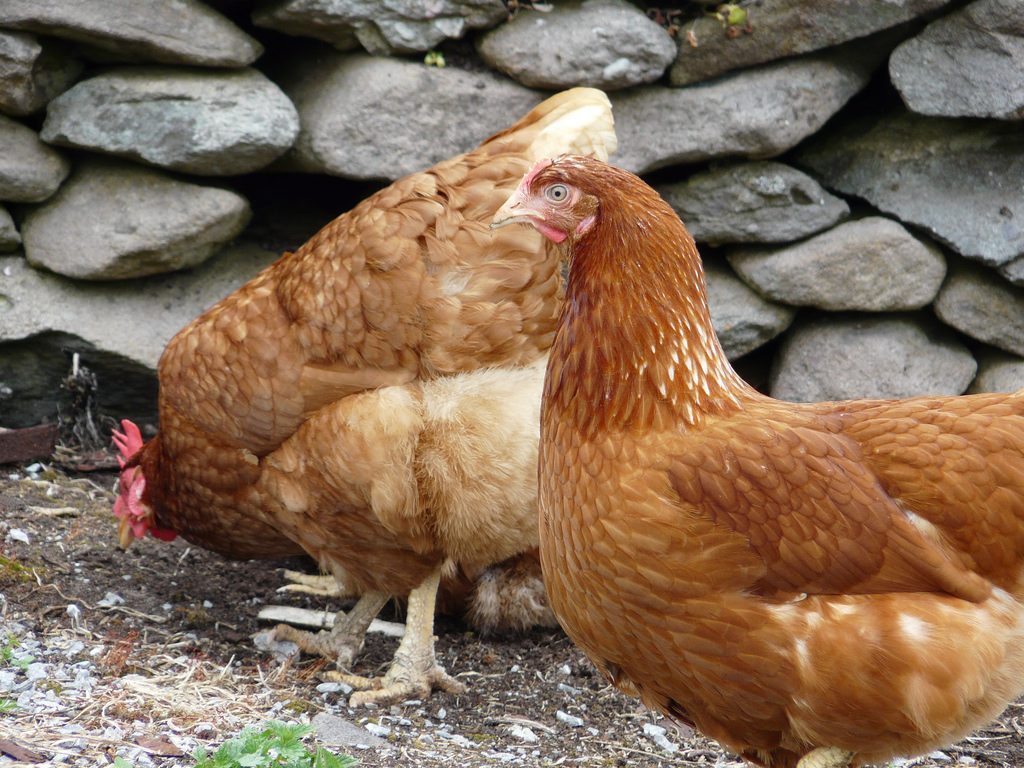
547	200
135	515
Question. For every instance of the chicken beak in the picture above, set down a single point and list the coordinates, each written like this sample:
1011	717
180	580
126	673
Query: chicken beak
125	536
514	211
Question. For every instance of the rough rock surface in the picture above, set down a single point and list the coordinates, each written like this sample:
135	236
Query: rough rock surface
758	202
842	357
32	71
375	118
998	372
607	44
967	64
743	320
397	26
134	319
30	171
959	179
1014	271
783	28
872	265
202	122
760	113
175	32
979	303
9	237
112	220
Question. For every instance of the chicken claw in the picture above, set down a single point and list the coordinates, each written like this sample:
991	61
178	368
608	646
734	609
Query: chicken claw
826	757
414	671
311	584
344	640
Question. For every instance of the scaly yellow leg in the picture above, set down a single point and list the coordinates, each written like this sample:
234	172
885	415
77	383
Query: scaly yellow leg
345	639
414	671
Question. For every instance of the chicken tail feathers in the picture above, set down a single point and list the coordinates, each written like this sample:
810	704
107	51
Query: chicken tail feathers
576	121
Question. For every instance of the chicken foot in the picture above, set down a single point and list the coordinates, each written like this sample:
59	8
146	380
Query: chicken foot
826	757
311	584
414	671
344	640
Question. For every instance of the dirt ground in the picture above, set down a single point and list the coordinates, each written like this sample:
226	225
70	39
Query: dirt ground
174	663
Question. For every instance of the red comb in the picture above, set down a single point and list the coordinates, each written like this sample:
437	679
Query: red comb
129	441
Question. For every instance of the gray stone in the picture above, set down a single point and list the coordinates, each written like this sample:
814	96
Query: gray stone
958	179
871	265
967	64
134	319
30	171
759	113
178	32
378	118
112	220
743	321
998	372
202	122
608	44
781	28
32	72
840	357
979	303
759	202
9	237
335	731
397	26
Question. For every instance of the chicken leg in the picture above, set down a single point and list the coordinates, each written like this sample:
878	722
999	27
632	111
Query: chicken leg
414	671
344	640
826	757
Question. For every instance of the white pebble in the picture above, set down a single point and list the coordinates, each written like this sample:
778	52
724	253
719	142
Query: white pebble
565	669
568	689
207	604
37	671
377	730
571	720
657	734
523	733
16	534
110	600
338	687
442	713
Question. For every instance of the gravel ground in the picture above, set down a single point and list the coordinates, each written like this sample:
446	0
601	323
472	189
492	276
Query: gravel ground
149	653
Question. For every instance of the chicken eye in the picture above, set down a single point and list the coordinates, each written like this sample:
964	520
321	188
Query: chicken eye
557	193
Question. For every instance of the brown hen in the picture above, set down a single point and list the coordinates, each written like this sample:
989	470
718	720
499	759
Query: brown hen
373	398
817	585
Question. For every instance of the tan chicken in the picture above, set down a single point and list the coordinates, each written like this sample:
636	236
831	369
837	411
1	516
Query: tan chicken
814	585
322	404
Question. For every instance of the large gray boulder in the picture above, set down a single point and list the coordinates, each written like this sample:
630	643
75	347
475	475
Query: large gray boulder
755	114
32	71
113	220
608	44
844	357
30	171
758	202
202	122
998	372
179	32
967	64
979	303
781	28
743	321
377	118
120	328
397	26
958	179
871	265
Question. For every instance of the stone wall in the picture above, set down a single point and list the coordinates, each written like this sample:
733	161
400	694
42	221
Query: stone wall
853	172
